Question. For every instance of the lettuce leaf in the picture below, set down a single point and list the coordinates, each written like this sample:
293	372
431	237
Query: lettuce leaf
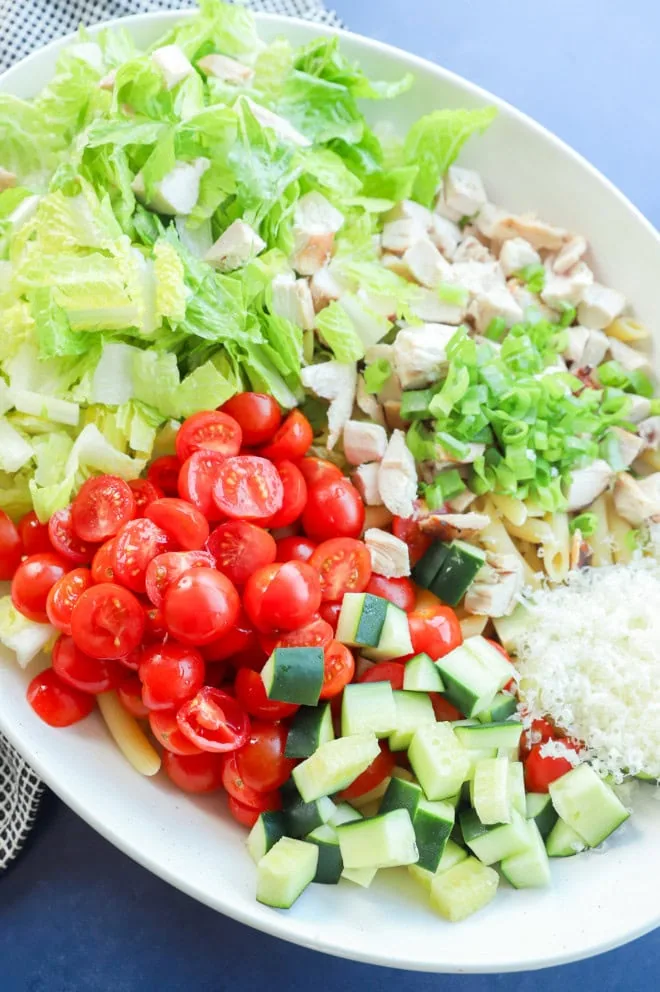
338	331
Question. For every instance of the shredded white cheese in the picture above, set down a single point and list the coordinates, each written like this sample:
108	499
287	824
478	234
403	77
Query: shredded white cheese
589	658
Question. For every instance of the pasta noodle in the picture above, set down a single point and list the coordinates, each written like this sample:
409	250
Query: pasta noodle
600	541
128	735
619	530
627	329
535	531
497	540
514	510
556	552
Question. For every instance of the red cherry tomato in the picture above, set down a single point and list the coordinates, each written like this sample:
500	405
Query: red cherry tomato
540	732
294	496
137	543
541	771
338	669
407	529
237	788
101	507
103	563
155	630
58	704
144	493
107	621
76	668
251	694
164	474
11	547
334	509
443	709
34	536
248	488
170	674
385	671
166	731
241	637
295	549
261	762
247	816
66	542
184	524
330	613
129	691
401	592
379	769
197	479
196	773
164	570
292	440
201	606
317	470
434	631
344	565
64	595
253	658
282	596
257	414
239	549
33	580
214	721
210	430
315	634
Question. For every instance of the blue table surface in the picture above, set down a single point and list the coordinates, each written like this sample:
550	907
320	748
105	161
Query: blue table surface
76	915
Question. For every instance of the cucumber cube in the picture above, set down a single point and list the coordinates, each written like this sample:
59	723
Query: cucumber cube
517	797
412	710
285	871
294	675
463	890
439	762
491	844
330	865
360	876
538	807
473	675
563	841
368	707
394	641
452	855
433	822
491	796
361	619
401	795
457	572
265	833
502	707
335	765
530	869
300	817
426	569
587	804
311	727
382	842
421	675
504	734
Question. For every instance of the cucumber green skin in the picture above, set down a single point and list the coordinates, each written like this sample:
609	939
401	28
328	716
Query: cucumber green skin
401	795
563	842
372	620
503	707
457	694
431	834
456	575
307	731
430	564
330	864
300	818
297	675
272	825
545	820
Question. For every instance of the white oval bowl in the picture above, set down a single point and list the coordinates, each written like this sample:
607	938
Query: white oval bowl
597	901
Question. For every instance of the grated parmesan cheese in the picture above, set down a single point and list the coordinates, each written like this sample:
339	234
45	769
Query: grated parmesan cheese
589	658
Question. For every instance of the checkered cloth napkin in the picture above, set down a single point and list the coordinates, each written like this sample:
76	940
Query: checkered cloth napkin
26	25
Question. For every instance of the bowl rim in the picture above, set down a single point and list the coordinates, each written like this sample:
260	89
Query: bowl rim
276	925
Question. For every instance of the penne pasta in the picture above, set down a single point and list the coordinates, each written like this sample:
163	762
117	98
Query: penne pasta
128	735
619	529
496	539
535	531
556	552
627	329
514	510
600	541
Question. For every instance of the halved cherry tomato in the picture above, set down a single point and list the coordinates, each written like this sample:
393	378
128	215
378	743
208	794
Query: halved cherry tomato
197	478
248	488
330	613
251	694
282	596
103	562
58	704
170	674
293	499
253	658
435	631
137	543
76	668
443	709
164	474
334	509
317	470
184	524
385	671
214	721
164	570
338	669
64	595
407	529
166	731
33	534
295	549
155	631
65	541
144	493
11	547
239	549
210	430
379	769
315	634
401	592
261	762
247	816
540	732
344	565
103	505
196	773
201	606
241	637
219	675
107	621
235	785
292	440
129	691
257	414
32	582
541	771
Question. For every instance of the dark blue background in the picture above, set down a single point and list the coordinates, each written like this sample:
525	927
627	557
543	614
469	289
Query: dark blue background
78	916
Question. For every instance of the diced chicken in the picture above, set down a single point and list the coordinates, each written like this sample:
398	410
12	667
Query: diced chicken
640	408
527	300
649	431
569	254
325	288
380	303
496	303
460	503
477	277
282	128
464	192
178	191
410	210
226	69
399	235
376	352
315	223
448	526
577	338
517	254
173	63
426	264
631	359
368	403
471	249
595	349
426	305
630	445
539	234
364	442
365	480
588	483
637	500
420	354
235	246
488	220
445	235
397	477
292	298
394	263
108	81
389	554
336	382
569	288
497	587
600	305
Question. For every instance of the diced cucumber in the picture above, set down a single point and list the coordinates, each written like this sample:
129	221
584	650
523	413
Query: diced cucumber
491	795
421	675
517	797
382	842
587	804
285	871
432	822
330	865
509	629
563	841
415	404
294	675
368	707
530	869
452	855
394	641
438	760
475	757
505	734
503	706
473	674
457	572
412	710
265	833
539	808
361	876
510	753
344	813
494	843
301	817
463	890
361	619
430	564
401	795
310	727
335	765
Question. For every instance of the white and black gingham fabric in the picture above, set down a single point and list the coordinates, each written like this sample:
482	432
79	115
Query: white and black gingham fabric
26	25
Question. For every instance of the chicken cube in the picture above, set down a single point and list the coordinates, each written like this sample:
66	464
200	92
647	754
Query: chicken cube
292	299
569	254
588	483
235	246
630	445
426	305
630	358
568	288
337	383
325	288
639	409
426	264
282	128
368	403
365	480
400	235
600	305
178	191
517	254
464	192
478	277
226	69
397	477
389	554
471	249
497	587
364	442
173	63
315	223
445	235
637	500
497	302
420	354
649	431
410	210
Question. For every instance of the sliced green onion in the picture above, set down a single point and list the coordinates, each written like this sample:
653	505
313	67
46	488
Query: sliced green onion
568	314
640	383
612	374
453	446
655	407
453	389
445	485
376	375
586	523
533	276
633	539
455	296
